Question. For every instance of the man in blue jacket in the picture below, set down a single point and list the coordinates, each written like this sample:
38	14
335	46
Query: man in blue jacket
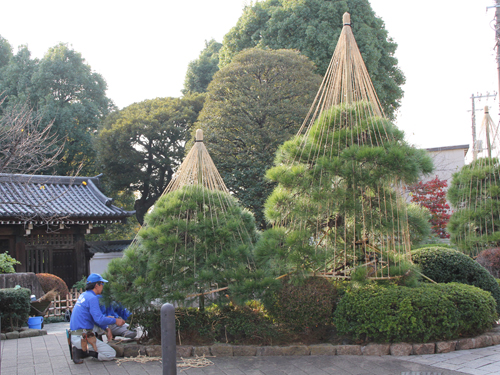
87	314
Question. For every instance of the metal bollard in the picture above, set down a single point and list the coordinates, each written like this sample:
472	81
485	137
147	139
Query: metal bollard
168	351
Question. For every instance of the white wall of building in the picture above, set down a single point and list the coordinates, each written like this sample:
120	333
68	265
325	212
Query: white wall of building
447	160
99	262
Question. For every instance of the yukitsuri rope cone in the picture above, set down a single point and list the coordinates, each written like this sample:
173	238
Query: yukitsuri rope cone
197	169
338	203
196	240
474	194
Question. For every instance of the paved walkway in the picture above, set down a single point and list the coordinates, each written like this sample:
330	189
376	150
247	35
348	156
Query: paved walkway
44	355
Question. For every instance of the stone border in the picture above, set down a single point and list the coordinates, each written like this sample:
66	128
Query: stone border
371	349
225	350
22	333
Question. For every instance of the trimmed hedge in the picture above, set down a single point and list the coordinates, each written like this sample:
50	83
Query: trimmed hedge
14	306
448	266
304	307
227	324
427	313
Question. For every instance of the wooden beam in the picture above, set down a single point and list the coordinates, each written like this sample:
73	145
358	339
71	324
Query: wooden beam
21	256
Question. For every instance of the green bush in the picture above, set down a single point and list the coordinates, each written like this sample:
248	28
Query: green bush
228	324
7	263
447	266
248	324
307	306
80	284
195	325
429	312
14	306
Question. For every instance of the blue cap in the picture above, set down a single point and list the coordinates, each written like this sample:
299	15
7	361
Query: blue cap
94	278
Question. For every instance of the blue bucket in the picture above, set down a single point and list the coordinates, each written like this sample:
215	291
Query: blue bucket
35	322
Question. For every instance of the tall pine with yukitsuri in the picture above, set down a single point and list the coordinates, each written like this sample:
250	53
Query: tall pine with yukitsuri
339	203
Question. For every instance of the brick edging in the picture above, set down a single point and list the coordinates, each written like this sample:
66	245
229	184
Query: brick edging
372	349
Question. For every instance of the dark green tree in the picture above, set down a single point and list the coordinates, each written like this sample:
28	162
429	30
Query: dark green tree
201	71
474	194
253	105
15	79
69	92
141	146
5	52
313	27
64	90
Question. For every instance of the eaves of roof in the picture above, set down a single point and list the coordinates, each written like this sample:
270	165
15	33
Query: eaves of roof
55	200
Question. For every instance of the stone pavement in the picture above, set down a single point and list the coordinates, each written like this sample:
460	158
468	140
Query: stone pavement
49	354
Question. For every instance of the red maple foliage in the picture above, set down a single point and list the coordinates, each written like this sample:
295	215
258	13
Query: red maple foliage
432	195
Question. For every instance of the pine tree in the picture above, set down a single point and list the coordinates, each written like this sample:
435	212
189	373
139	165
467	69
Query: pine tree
336	197
193	241
475	195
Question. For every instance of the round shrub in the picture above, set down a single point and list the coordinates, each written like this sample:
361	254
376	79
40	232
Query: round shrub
429	312
14	307
52	282
303	307
490	259
447	266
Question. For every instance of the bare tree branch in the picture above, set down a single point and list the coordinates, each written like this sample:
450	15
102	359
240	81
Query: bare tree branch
25	145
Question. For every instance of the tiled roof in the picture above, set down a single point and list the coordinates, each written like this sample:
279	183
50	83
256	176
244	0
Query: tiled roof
55	199
108	246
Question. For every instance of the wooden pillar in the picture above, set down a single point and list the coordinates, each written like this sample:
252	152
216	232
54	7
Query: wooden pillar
20	254
81	268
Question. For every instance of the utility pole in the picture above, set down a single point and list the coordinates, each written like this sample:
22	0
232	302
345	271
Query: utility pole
497	38
478	96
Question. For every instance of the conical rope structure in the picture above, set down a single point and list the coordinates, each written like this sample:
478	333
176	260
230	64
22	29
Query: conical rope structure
475	194
339	196
197	169
196	239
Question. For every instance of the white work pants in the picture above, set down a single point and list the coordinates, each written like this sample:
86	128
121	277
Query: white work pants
105	352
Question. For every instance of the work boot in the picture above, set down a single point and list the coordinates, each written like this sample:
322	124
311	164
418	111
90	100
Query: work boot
78	355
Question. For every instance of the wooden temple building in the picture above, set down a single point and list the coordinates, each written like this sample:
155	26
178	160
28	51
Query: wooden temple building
44	220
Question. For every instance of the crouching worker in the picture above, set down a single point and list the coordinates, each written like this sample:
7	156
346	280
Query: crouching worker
87	314
117	310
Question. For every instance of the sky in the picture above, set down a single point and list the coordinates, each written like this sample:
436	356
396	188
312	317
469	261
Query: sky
142	49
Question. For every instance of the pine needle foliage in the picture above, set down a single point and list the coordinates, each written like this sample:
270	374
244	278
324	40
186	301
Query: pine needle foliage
475	195
194	242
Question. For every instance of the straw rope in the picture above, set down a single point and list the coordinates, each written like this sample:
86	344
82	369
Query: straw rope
348	83
477	195
198	169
